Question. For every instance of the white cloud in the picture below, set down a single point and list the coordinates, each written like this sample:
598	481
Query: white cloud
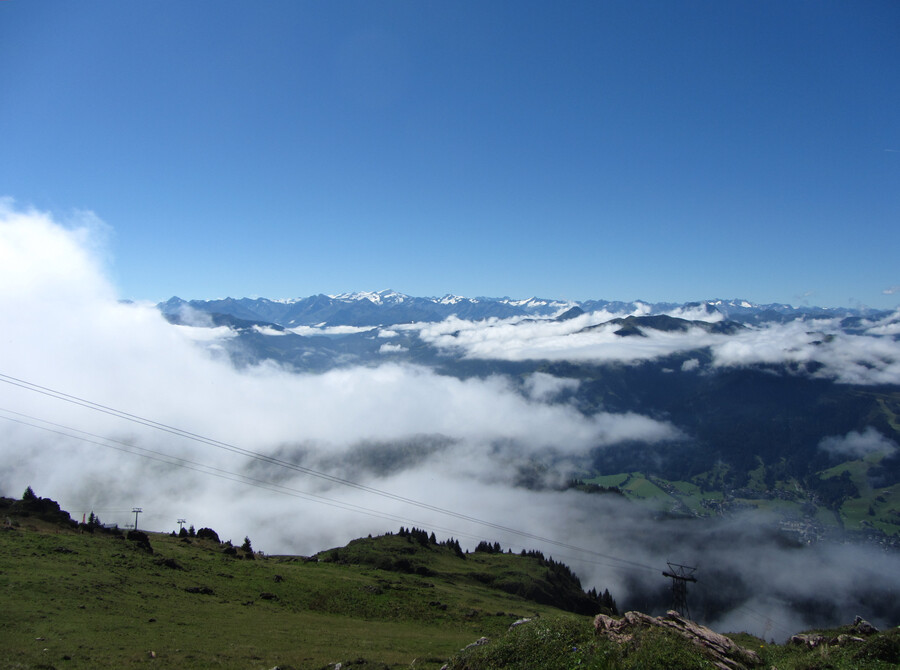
518	340
388	348
852	359
889	325
543	387
690	364
858	445
65	329
200	334
696	313
330	330
821	344
268	330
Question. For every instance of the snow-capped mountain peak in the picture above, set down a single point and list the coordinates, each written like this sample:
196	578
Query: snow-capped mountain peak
375	297
451	299
387	307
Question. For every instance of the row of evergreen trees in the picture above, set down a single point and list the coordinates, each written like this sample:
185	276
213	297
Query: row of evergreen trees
426	540
558	572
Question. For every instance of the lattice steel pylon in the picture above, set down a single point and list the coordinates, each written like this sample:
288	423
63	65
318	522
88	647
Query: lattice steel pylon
681	575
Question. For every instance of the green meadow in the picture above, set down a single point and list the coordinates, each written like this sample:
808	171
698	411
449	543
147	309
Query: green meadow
73	599
76	596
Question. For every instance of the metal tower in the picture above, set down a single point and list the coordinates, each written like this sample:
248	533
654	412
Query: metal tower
681	575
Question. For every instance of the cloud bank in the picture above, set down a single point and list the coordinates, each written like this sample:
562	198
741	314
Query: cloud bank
821	347
460	445
65	329
857	444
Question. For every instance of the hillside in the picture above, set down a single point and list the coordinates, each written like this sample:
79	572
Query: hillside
82	596
79	599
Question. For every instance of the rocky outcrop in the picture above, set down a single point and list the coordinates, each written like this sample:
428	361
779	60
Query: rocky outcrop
810	640
722	651
863	627
860	627
477	643
32	506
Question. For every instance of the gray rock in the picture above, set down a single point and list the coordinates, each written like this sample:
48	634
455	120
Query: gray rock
477	643
724	653
863	627
808	639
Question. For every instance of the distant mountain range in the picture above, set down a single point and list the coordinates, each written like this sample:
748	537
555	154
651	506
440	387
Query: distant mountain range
799	405
386	308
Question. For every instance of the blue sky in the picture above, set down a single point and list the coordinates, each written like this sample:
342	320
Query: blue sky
621	150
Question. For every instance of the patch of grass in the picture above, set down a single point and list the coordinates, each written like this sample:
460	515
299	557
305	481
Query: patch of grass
688	489
879	508
879	652
827	517
857	470
550	644
654	648
609	480
544	644
757	476
559	642
641	487
86	601
691	496
889	404
787	508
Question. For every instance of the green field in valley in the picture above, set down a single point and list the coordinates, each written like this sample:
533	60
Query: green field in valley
865	508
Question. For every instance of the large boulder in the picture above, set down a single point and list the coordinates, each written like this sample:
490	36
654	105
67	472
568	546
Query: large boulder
722	651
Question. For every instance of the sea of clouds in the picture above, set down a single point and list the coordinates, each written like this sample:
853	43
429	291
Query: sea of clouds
400	433
869	355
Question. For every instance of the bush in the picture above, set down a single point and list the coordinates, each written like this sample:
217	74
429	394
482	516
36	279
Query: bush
882	647
140	539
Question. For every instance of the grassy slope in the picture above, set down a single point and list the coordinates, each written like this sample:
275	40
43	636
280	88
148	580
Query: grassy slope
85	601
77	600
527	577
